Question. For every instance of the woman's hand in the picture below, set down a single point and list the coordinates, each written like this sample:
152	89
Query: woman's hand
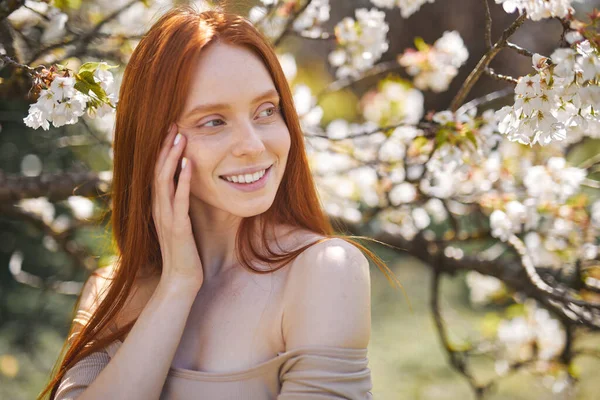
170	207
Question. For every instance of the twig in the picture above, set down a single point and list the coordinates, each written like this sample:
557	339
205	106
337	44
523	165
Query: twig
37	12
484	62
519	49
79	255
422	125
591	183
9	60
488	25
561	294
7	7
57	186
489	71
488	98
306	34
590	162
289	23
347	82
456	358
85	39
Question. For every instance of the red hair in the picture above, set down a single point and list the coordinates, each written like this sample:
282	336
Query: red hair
152	95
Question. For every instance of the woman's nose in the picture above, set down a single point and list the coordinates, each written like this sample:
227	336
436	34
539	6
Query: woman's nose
247	142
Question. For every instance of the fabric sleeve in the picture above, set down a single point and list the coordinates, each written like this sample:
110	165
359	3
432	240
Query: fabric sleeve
84	372
81	375
326	374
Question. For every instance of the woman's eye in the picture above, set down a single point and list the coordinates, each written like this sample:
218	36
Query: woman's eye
270	111
212	120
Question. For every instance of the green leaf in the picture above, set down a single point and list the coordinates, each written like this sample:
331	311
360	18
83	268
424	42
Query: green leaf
420	141
515	310
85	83
93	66
441	138
574	370
89	67
472	138
66	5
420	44
489	324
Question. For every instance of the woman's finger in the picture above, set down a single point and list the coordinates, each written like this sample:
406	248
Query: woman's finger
181	202
166	146
166	188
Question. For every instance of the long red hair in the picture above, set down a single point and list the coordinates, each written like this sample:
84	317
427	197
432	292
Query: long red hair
152	95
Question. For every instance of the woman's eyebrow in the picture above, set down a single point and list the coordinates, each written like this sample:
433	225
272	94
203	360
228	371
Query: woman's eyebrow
205	108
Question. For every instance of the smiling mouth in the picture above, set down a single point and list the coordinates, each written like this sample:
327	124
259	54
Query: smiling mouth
246	178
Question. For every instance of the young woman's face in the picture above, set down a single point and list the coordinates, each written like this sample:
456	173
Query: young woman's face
237	140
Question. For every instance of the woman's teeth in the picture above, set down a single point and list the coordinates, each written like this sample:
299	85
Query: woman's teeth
247	178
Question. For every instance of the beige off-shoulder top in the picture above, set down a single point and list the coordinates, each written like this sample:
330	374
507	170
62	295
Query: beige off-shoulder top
308	373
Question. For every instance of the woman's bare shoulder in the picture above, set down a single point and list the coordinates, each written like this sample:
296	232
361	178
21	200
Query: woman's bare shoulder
327	297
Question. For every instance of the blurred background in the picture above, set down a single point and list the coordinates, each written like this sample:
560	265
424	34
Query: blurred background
42	265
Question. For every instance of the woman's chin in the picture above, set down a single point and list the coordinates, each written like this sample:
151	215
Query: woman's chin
249	210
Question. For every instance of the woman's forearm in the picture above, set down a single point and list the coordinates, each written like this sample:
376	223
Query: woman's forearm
140	367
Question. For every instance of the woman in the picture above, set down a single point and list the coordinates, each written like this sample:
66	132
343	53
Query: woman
230	283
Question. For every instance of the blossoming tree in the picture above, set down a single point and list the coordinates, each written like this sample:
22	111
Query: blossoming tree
471	187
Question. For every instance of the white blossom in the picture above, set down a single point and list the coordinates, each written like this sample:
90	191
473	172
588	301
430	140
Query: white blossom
288	65
407	7
55	26
37	118
536	328
39	206
548	104
482	288
82	207
313	17
363	40
595	214
538	9
420	218
403	193
394	103
435	66
63	87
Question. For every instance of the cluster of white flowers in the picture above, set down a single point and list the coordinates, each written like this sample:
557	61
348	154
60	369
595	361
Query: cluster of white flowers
315	14
555	182
538	9
559	102
40	16
62	104
515	217
435	66
310	21
483	288
537	331
460	166
550	184
407	7
309	112
394	102
361	42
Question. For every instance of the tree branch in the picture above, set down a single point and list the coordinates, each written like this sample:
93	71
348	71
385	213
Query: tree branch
484	62
55	187
519	49
488	25
489	71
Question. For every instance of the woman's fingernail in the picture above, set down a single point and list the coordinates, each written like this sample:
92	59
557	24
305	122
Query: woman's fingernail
184	162
177	139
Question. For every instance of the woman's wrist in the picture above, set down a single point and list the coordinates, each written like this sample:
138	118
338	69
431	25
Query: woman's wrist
169	287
